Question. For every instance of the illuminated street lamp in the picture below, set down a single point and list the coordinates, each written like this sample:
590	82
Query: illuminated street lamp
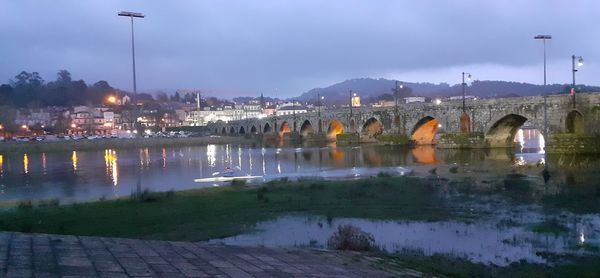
574	69
24	127
111	99
463	88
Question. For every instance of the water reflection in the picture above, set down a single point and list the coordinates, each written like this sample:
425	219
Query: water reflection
44	163
25	164
530	140
489	241
112	170
74	161
93	174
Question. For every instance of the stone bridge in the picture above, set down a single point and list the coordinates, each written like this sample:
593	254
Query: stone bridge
497	120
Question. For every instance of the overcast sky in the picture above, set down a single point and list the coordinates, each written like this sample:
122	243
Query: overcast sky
284	48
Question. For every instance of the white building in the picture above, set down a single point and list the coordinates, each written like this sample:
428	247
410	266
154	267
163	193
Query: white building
290	109
414	99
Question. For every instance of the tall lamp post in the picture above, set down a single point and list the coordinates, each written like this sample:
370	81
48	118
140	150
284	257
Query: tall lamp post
396	93
131	15
350	95
544	38
545	173
463	88
319	104
574	69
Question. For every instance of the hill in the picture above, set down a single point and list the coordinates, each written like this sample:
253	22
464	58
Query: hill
369	88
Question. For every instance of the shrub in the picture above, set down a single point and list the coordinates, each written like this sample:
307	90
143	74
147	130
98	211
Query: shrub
260	193
49	203
170	193
238	182
145	196
25	204
385	175
348	237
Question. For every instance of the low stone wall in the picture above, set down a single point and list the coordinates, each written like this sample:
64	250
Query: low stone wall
393	139
461	141
570	143
347	139
101	144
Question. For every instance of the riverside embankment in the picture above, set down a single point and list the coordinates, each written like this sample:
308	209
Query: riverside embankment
114	143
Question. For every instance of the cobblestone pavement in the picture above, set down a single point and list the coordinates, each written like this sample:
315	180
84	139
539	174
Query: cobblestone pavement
41	255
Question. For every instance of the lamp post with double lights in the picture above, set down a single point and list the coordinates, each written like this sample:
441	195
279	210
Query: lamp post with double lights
574	69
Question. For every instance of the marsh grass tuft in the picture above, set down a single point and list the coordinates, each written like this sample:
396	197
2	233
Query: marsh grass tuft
349	237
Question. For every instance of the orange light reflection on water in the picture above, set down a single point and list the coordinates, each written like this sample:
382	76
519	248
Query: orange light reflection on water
25	164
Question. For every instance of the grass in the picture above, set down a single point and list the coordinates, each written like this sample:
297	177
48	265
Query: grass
551	226
226	211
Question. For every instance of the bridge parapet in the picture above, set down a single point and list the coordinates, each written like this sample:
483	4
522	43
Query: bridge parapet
498	119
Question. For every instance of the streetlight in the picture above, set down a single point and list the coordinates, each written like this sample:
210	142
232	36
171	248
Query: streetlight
396	93
131	15
111	99
463	87
545	173
579	64
319	103
350	94
544	38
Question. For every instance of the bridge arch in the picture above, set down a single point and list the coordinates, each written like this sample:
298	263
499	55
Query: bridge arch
253	130
306	128
502	132
574	122
242	130
231	130
267	128
335	127
285	128
223	130
372	127
424	131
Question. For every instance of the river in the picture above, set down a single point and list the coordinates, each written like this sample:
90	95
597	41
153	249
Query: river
501	238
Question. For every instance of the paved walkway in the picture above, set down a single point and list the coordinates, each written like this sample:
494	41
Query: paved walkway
41	255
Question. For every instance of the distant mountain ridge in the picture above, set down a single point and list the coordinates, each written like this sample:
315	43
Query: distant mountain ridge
372	88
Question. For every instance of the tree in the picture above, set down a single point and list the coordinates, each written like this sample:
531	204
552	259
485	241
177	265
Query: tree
176	97
63	77
386	97
402	92
162	97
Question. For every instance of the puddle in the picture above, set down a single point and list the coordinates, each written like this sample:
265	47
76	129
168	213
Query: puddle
492	241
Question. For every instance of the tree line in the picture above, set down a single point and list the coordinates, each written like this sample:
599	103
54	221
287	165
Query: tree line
30	90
